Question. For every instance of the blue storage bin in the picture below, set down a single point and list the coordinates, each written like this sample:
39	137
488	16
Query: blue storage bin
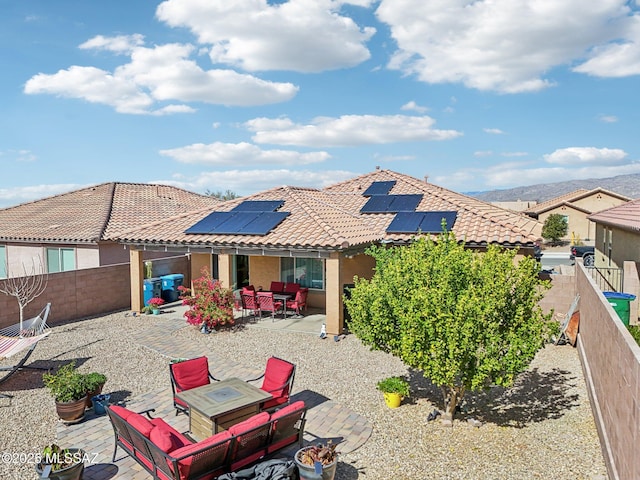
152	287
170	284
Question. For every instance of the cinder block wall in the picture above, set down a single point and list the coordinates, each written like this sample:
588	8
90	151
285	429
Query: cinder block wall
83	293
611	362
561	295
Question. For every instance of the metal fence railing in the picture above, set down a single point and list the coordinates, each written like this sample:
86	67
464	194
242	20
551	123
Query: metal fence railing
607	279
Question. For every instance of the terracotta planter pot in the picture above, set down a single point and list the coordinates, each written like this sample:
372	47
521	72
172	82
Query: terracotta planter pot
91	394
71	412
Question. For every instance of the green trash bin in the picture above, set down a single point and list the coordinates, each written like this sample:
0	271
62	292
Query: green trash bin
620	303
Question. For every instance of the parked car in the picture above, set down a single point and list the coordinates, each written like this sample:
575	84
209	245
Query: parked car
585	252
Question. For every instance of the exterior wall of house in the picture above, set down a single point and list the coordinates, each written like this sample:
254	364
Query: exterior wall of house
21	257
625	246
263	270
198	262
360	265
88	256
112	253
598	201
611	362
578	223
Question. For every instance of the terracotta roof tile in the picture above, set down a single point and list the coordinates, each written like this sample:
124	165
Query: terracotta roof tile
625	216
94	213
331	219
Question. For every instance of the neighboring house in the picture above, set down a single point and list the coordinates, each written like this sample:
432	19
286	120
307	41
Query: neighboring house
517	206
318	237
576	207
70	231
617	236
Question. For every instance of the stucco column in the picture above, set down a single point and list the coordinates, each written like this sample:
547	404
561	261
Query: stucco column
198	262
225	270
335	320
136	272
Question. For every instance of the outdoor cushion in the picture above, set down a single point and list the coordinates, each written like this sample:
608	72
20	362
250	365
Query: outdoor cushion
184	465
249	440
191	374
140	423
277	373
121	411
249	424
284	432
165	437
276	287
292	287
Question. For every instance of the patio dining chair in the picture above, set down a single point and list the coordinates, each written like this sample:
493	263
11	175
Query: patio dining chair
249	303
277	380
266	303
186	375
299	303
277	287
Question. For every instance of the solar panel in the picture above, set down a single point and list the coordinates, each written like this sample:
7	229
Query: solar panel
263	223
377	204
258	206
432	222
391	203
405	203
379	188
235	222
424	222
208	223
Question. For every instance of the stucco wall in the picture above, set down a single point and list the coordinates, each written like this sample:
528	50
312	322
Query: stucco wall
578	223
611	362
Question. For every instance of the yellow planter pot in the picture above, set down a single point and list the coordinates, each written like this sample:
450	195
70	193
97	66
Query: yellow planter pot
392	400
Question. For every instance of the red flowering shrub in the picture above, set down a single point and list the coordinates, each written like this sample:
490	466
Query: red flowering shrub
155	302
210	303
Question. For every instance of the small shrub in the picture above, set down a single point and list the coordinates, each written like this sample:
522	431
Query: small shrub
634	330
394	385
210	303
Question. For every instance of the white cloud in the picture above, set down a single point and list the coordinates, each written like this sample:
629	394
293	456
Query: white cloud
348	130
297	35
245	182
160	74
413	106
514	154
219	153
483	153
118	44
608	118
574	163
493	131
16	195
509	45
578	156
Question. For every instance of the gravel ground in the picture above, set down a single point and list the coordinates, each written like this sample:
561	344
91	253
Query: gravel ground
542	428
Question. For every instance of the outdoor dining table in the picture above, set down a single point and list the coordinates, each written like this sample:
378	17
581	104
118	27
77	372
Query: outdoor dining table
283	297
219	405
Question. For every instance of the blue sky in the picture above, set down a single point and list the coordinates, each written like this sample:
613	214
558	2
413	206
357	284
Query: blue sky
253	94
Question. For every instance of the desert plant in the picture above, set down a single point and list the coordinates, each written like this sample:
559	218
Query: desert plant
394	385
67	384
211	305
60	458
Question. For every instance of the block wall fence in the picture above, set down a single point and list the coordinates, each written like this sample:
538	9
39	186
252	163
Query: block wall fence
84	293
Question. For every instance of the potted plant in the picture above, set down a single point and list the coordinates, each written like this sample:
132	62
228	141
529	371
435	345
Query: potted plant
69	390
394	390
95	382
155	303
61	463
317	462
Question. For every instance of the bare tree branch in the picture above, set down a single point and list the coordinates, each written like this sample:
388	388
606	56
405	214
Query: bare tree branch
26	288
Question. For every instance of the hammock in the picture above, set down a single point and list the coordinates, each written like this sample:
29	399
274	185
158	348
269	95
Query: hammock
20	337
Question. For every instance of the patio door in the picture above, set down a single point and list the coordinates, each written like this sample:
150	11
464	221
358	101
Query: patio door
240	271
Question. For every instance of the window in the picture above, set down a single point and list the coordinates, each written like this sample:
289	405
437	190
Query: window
308	272
60	259
3	261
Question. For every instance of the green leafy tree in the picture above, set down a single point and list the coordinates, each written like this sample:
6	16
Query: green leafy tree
555	227
227	195
466	320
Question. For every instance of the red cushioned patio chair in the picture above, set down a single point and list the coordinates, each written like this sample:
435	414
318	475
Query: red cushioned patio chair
249	303
186	375
266	303
299	303
277	380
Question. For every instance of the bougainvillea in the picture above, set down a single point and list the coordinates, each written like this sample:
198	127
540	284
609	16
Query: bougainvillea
210	303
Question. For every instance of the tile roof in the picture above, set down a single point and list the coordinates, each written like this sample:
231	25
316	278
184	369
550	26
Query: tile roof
331	219
571	197
95	213
625	216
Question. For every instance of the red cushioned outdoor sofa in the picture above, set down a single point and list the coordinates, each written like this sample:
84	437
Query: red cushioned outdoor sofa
167	454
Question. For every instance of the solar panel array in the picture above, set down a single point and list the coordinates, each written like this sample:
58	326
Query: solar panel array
251	217
406	220
423	222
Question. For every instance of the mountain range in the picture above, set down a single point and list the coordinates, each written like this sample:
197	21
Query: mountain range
627	185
